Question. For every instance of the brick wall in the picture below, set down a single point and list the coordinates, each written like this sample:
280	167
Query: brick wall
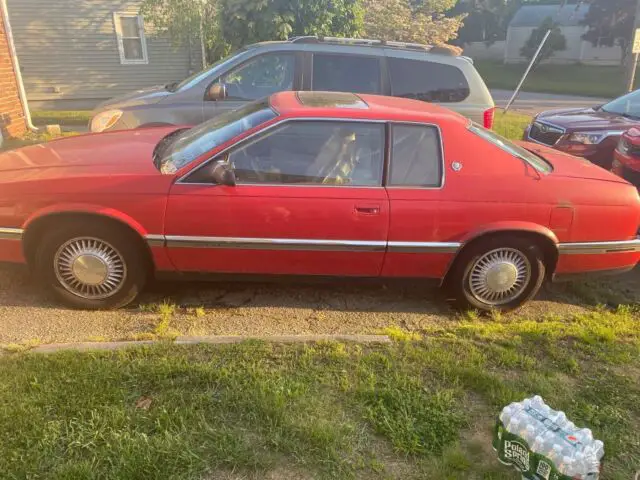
12	122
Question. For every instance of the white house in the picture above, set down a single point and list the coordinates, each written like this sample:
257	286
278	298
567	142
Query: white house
569	19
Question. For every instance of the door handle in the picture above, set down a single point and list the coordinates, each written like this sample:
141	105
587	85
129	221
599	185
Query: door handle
368	209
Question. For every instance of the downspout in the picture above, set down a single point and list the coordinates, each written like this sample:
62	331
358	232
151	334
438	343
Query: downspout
16	66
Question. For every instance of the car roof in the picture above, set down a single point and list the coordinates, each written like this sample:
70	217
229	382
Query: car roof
434	53
360	106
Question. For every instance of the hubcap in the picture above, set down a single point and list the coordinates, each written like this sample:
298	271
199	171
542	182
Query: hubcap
499	276
90	268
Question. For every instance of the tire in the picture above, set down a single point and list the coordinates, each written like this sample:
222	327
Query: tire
127	267
473	288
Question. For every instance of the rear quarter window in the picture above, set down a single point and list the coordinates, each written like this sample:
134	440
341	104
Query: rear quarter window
427	81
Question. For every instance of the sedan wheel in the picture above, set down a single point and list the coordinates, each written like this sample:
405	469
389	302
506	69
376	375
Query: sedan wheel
93	266
90	268
497	273
499	276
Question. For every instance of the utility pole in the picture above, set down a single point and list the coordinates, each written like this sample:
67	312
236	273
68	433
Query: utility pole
635	51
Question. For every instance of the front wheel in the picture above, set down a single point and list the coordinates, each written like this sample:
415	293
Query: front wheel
95	266
498	273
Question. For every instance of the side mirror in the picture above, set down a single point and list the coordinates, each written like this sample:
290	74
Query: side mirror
222	174
217	91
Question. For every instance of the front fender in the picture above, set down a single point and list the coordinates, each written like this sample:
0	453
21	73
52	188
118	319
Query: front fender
71	208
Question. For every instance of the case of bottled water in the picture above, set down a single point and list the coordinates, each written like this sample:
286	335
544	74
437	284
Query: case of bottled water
543	443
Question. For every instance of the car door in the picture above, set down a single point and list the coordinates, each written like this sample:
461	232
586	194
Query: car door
418	246
308	201
256	78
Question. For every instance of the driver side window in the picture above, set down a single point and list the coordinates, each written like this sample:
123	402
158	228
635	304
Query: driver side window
260	77
313	153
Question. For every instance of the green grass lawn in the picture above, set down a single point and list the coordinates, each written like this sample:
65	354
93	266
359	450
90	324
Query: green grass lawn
61	117
587	80
511	124
422	407
31	139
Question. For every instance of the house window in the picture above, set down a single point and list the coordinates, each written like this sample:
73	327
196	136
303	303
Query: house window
132	44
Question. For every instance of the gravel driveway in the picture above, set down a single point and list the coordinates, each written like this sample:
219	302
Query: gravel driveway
27	315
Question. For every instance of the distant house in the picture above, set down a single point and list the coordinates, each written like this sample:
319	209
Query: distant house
569	19
76	53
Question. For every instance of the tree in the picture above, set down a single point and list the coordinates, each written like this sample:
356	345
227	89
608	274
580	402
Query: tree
411	20
555	43
185	21
248	21
230	24
610	23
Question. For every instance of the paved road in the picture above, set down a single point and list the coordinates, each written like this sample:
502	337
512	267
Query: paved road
537	102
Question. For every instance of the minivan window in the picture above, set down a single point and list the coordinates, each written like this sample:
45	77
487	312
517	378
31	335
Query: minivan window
187	146
508	146
427	81
201	75
260	77
346	73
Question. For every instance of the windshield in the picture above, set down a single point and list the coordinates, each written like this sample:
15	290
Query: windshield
199	76
517	151
190	144
627	105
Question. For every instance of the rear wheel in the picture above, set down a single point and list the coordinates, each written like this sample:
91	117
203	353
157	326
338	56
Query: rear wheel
498	273
95	266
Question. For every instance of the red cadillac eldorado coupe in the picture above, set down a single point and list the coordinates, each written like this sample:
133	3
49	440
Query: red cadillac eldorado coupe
314	184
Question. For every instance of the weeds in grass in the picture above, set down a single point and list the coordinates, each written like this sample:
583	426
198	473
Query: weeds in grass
20	347
400	335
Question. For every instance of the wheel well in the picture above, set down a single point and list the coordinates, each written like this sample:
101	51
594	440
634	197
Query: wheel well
38	229
547	246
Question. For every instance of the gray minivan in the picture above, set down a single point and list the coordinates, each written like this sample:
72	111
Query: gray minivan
432	74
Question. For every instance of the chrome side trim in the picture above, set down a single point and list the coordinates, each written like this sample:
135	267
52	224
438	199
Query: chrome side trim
11	233
424	247
155	240
178	241
590	248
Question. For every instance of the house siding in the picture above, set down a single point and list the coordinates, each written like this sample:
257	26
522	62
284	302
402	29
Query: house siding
70	51
12	121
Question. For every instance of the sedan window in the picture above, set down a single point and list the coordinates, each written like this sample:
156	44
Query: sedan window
186	146
416	156
313	153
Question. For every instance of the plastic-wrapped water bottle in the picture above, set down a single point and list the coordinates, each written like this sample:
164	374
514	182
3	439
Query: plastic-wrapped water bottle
563	451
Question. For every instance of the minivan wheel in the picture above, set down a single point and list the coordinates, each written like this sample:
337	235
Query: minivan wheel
497	274
91	267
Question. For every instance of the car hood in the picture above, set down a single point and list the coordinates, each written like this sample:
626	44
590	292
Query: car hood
575	119
93	155
146	96
565	165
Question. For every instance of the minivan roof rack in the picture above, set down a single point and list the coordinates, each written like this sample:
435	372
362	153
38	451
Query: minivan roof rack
368	42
